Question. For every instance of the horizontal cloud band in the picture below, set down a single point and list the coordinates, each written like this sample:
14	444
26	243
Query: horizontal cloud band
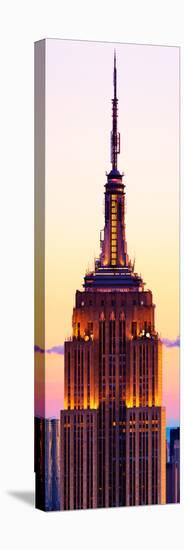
171	343
59	350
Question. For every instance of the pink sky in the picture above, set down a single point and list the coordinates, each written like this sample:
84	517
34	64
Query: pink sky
78	124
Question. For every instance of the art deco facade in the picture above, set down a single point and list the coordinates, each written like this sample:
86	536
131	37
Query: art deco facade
113	449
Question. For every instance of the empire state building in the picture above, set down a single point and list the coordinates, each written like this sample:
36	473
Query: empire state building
113	448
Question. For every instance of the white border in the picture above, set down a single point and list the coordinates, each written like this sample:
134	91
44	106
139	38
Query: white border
157	22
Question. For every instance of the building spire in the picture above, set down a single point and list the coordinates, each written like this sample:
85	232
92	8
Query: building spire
115	135
114	259
115	74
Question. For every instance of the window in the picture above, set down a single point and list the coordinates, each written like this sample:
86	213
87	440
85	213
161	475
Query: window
134	329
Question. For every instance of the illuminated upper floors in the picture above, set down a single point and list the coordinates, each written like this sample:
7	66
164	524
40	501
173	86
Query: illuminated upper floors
124	373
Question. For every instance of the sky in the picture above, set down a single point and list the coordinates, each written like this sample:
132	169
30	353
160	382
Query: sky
79	88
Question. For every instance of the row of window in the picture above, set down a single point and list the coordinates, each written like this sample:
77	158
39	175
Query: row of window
113	302
114	230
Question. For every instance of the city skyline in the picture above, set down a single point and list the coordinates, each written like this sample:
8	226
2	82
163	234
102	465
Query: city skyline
54	379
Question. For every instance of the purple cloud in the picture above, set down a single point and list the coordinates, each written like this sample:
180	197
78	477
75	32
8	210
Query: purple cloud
59	350
38	349
56	349
171	343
